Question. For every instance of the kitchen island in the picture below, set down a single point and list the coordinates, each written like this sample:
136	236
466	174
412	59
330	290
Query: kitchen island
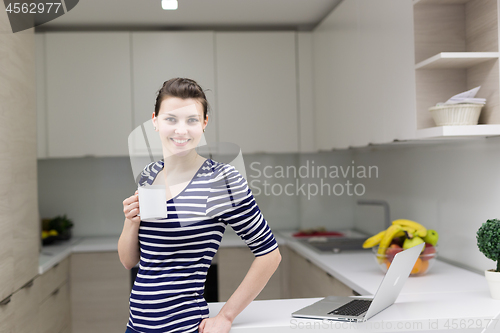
447	298
426	312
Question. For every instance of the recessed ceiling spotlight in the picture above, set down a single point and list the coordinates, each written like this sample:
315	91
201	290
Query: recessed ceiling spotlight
169	4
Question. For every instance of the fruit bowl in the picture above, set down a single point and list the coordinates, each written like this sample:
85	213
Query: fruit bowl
424	262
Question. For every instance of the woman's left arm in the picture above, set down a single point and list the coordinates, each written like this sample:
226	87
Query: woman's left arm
261	270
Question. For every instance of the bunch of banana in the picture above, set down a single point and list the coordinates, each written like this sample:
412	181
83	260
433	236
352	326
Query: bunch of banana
397	229
411	226
389	234
374	240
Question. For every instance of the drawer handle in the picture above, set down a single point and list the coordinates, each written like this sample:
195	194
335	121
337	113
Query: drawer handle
330	275
29	284
56	265
56	292
6	301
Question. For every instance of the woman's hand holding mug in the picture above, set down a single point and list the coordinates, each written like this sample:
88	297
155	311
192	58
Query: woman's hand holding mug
131	208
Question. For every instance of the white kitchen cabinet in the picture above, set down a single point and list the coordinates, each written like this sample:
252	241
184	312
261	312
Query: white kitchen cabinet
94	88
386	95
161	56
305	104
335	77
363	77
100	290
88	93
233	264
308	280
257	90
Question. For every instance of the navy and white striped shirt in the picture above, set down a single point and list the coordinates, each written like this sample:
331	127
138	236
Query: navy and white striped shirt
176	251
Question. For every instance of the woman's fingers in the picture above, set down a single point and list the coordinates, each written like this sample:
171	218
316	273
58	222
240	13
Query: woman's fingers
131	208
127	208
202	325
136	219
133	205
131	199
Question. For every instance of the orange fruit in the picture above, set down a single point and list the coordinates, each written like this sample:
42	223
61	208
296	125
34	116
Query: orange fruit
387	263
417	267
424	267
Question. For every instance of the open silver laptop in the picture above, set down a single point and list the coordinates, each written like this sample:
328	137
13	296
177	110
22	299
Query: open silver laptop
361	309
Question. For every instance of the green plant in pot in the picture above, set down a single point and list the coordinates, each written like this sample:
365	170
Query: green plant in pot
488	242
63	226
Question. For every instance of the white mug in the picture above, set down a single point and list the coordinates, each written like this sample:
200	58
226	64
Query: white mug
152	202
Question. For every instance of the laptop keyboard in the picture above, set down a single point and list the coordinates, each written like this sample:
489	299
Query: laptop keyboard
353	308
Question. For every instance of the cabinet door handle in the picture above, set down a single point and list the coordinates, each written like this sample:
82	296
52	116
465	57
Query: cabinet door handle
329	275
56	265
6	300
56	292
29	284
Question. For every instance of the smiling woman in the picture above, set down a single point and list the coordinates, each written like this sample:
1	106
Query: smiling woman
203	197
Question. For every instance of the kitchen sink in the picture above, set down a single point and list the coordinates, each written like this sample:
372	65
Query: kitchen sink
334	244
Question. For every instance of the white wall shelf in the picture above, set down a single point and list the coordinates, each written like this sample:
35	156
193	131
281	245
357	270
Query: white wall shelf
445	60
458	131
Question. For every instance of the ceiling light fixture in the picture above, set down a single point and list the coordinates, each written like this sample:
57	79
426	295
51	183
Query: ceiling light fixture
169	4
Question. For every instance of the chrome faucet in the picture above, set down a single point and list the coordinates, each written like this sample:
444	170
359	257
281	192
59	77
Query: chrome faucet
383	203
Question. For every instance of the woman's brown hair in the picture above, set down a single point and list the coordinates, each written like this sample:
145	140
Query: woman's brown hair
182	88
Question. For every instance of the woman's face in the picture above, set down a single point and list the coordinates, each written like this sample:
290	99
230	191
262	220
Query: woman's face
180	124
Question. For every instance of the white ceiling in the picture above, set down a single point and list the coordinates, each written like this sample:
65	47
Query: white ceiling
193	14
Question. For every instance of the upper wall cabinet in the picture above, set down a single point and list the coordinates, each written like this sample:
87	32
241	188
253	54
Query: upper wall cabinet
363	74
88	94
160	56
95	88
257	91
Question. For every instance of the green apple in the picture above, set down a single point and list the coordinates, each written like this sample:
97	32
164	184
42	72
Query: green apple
411	242
431	237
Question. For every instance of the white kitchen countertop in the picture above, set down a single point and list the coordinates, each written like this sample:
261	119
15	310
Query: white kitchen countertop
55	253
358	270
